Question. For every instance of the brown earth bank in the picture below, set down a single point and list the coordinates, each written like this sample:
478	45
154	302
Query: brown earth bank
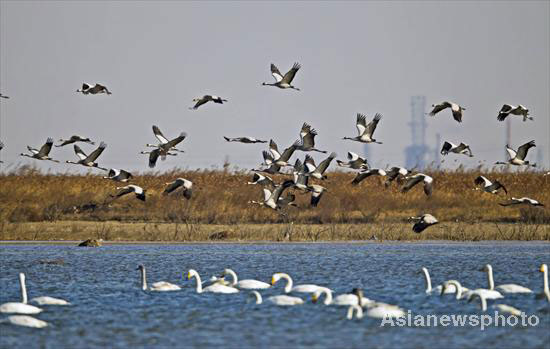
180	232
65	206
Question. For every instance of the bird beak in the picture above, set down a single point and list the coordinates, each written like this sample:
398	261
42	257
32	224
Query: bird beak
273	281
482	269
188	276
314	298
541	269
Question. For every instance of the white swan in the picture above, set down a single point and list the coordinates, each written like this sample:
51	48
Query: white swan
354	308
215	288
545	291
382	310
506	288
278	300
503	308
258	296
44	300
157	286
488	294
450	289
306	288
20	307
25	320
248	284
343	299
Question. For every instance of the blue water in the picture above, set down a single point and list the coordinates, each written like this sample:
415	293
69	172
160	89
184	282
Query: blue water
110	310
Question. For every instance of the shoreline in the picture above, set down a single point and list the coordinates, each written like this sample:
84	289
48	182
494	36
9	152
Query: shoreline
147	232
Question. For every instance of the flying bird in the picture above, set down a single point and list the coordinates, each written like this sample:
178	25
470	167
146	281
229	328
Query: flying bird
365	131
519	201
518	158
88	160
455	109
137	190
317	192
423	222
271	198
286	80
205	99
365	174
355	162
462	148
317	171
43	153
244	140
261	179
118	175
395	173
162	140
508	109
307	139
74	139
488	186
275	160
95	89
417	178
164	149
187	186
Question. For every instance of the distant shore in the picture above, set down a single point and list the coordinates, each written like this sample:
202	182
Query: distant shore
177	232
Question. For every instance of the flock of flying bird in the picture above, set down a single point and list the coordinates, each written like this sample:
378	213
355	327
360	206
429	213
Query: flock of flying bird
302	171
355	301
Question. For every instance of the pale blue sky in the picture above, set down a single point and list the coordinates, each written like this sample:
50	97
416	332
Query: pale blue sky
356	57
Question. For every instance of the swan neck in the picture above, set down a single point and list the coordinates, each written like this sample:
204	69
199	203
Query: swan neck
258	297
289	283
199	282
233	276
458	288
545	285
328	296
483	303
428	281
490	278
143	280
23	288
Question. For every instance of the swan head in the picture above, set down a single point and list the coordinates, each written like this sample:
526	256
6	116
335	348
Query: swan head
276	277
543	268
140	267
191	273
487	268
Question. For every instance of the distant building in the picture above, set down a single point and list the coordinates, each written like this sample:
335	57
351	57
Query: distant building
416	154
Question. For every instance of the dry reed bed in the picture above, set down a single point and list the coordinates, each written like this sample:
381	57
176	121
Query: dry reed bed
220	198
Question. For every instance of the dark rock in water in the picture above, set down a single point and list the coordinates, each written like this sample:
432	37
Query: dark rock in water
221	235
90	243
57	261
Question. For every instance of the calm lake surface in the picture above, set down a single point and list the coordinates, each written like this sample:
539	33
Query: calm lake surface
110	310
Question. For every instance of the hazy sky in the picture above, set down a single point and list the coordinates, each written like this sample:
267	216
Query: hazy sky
365	57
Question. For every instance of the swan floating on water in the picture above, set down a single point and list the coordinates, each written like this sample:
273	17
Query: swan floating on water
450	289
25	320
488	294
157	286
545	291
248	284
503	308
343	299
506	288
306	288
354	308
20	307
214	288
283	300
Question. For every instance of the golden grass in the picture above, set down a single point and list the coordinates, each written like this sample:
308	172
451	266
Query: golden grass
220	201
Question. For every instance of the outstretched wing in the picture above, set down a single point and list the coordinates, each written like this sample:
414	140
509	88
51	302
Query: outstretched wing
411	182
309	138
167	146
361	124
511	152
325	163
446	147
81	154
96	153
439	107
273	149
45	149
276	73
289	76
457	114
504	111
372	125
522	151
124	191
481	180
200	102
153	157
159	135
288	153
309	163
172	186
361	176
